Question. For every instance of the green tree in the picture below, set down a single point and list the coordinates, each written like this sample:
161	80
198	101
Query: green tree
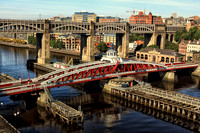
132	37
197	35
153	46
31	40
172	46
140	37
102	47
135	37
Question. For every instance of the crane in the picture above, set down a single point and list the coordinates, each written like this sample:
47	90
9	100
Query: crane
134	11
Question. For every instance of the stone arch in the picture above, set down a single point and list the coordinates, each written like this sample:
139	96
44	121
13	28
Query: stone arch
158	42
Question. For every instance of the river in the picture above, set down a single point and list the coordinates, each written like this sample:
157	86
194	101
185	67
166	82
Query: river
100	113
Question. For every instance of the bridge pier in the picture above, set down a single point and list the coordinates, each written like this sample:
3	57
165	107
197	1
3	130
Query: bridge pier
88	51
159	30
170	77
44	52
197	71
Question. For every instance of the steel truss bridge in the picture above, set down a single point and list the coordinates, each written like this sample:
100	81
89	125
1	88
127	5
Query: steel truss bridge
38	26
85	73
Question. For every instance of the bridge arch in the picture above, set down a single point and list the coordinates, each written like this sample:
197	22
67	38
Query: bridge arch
141	28
23	27
114	28
70	27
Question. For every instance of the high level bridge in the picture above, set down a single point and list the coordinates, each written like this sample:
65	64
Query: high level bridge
87	72
154	34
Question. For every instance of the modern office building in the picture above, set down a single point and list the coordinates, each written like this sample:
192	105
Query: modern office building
84	17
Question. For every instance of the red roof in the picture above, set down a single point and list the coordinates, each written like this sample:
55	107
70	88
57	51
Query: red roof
140	42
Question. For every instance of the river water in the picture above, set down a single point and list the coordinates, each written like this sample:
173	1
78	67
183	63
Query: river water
101	114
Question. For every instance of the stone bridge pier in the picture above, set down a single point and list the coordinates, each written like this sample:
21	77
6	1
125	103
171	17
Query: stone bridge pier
158	37
43	45
87	44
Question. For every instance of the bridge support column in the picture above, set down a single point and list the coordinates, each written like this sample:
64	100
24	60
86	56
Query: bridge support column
197	71
38	43
41	101
169	37
153	40
170	77
125	42
163	41
44	55
88	51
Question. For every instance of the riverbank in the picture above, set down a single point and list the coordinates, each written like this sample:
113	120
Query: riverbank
29	46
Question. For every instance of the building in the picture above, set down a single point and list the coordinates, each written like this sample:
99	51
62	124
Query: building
109	38
84	17
98	39
133	45
183	47
61	18
174	15
193	56
108	19
142	18
193	46
159	55
73	42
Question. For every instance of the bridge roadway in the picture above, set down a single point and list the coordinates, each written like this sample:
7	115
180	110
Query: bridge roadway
87	72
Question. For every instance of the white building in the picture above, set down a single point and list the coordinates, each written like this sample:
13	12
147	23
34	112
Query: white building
193	46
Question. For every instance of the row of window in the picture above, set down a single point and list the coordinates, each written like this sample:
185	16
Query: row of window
163	59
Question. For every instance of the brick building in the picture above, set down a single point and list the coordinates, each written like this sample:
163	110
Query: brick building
183	47
73	42
108	19
159	55
142	18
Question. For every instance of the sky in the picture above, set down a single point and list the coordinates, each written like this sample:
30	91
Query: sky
34	9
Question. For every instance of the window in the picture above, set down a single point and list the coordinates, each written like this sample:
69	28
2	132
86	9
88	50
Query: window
146	57
167	59
142	56
138	56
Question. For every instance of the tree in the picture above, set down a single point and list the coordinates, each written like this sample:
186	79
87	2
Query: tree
102	47
140	37
172	46
31	40
135	37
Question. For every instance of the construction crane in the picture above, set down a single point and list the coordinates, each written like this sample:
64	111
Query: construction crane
134	11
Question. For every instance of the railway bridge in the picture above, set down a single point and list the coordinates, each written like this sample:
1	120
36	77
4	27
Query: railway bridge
154	34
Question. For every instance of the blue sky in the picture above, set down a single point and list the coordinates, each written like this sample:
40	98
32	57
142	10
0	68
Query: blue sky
30	9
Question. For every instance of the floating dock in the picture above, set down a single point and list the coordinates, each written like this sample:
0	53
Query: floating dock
171	102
